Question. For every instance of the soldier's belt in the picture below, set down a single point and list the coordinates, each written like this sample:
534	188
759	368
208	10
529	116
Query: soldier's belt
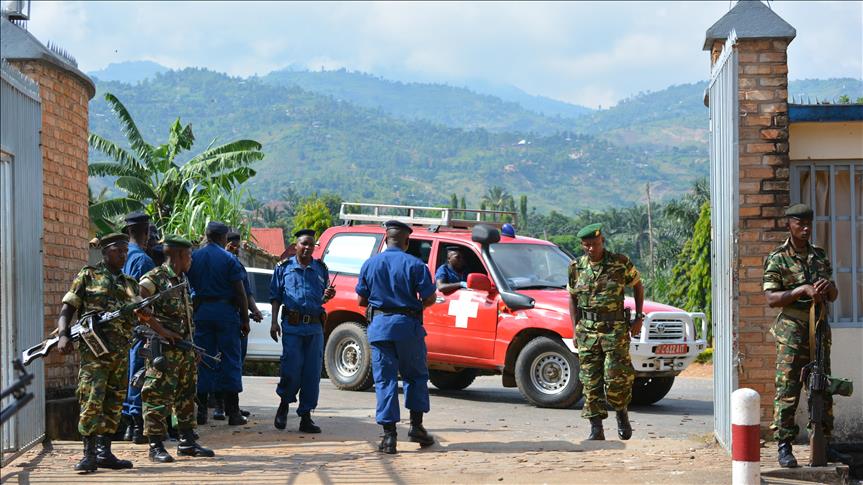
297	318
795	313
617	316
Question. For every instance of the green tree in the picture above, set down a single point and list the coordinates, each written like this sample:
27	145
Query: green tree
522	211
313	214
152	178
497	199
690	278
844	99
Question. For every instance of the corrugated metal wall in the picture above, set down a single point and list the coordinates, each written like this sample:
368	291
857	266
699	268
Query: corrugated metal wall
21	279
723	247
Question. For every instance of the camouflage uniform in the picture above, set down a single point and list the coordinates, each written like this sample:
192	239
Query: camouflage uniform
603	347
174	389
785	270
102	380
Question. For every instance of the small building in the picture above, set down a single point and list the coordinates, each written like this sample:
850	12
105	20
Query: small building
270	239
765	154
65	94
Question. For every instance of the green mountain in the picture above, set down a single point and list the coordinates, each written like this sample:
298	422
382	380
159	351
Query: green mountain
438	103
369	139
318	143
129	71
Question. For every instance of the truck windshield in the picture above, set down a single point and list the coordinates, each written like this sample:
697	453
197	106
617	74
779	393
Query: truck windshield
531	266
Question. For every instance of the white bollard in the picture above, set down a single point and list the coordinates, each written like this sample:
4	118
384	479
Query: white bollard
745	437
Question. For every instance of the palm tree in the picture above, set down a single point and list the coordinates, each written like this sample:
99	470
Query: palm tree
497	199
151	177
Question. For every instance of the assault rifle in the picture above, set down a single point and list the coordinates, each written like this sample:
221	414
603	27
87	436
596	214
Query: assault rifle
153	352
817	383
89	327
18	391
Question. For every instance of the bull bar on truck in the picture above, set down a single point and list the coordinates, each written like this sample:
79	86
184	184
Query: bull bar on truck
661	328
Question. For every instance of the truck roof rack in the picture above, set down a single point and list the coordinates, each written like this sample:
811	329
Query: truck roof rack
434	217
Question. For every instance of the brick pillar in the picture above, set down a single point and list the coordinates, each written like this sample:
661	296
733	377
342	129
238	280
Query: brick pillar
764	193
66	223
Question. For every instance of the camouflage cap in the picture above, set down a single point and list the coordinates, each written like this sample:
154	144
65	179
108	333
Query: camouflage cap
589	231
799	211
109	240
175	241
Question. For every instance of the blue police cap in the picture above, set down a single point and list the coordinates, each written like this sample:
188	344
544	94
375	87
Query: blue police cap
394	224
234	236
216	228
134	218
305	232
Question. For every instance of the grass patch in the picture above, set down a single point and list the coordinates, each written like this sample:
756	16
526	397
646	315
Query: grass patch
705	357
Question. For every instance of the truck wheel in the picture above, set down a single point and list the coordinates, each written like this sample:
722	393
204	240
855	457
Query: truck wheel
648	390
452	381
348	357
546	373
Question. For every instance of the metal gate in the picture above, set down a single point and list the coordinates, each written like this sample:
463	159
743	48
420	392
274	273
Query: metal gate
21	282
722	98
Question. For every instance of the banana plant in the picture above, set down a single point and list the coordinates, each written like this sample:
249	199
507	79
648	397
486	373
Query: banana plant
152	179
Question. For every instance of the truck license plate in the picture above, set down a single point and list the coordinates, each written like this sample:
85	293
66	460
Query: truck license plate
672	349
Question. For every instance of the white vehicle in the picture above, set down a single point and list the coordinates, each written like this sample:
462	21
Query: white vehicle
261	345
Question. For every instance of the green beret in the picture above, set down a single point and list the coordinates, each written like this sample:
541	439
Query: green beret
174	241
799	211
111	239
589	231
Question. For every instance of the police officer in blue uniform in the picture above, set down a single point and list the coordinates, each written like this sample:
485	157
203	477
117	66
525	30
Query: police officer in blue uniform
221	316
301	285
452	276
234	240
138	263
396	287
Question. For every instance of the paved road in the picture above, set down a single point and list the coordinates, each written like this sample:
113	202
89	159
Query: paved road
686	412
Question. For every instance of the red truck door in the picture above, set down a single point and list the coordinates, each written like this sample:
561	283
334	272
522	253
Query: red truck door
463	323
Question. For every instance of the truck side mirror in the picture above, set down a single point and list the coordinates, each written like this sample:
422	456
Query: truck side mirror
479	282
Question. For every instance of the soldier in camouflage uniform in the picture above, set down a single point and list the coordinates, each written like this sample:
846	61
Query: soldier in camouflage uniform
101	380
175	387
796	275
602	332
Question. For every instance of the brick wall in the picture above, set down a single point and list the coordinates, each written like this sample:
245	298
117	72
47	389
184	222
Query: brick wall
764	193
65	101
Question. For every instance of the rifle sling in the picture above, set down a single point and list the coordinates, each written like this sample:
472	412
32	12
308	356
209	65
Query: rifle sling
812	326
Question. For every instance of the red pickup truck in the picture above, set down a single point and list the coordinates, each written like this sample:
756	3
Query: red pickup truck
512	320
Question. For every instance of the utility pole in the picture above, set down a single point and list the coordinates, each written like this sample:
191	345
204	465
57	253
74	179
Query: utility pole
650	240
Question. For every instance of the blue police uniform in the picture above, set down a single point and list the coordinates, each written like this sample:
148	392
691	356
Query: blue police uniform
300	289
244	339
392	280
217	321
138	263
448	275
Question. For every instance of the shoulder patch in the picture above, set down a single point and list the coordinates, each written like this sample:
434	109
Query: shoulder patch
282	262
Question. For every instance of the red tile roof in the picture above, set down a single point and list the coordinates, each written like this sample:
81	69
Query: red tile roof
270	239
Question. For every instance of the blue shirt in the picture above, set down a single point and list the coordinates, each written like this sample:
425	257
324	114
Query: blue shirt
394	279
246	284
448	275
299	288
137	262
212	275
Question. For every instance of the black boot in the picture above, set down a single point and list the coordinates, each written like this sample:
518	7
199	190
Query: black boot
106	459
138	430
418	433
307	425
202	408
232	409
158	453
388	440
786	457
219	408
245	413
624	429
596	431
189	446
281	415
88	462
129	432
122	428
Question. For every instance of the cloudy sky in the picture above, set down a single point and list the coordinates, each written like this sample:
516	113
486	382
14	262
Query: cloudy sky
586	53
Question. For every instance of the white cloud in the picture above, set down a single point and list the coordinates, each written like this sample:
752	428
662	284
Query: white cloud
587	52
